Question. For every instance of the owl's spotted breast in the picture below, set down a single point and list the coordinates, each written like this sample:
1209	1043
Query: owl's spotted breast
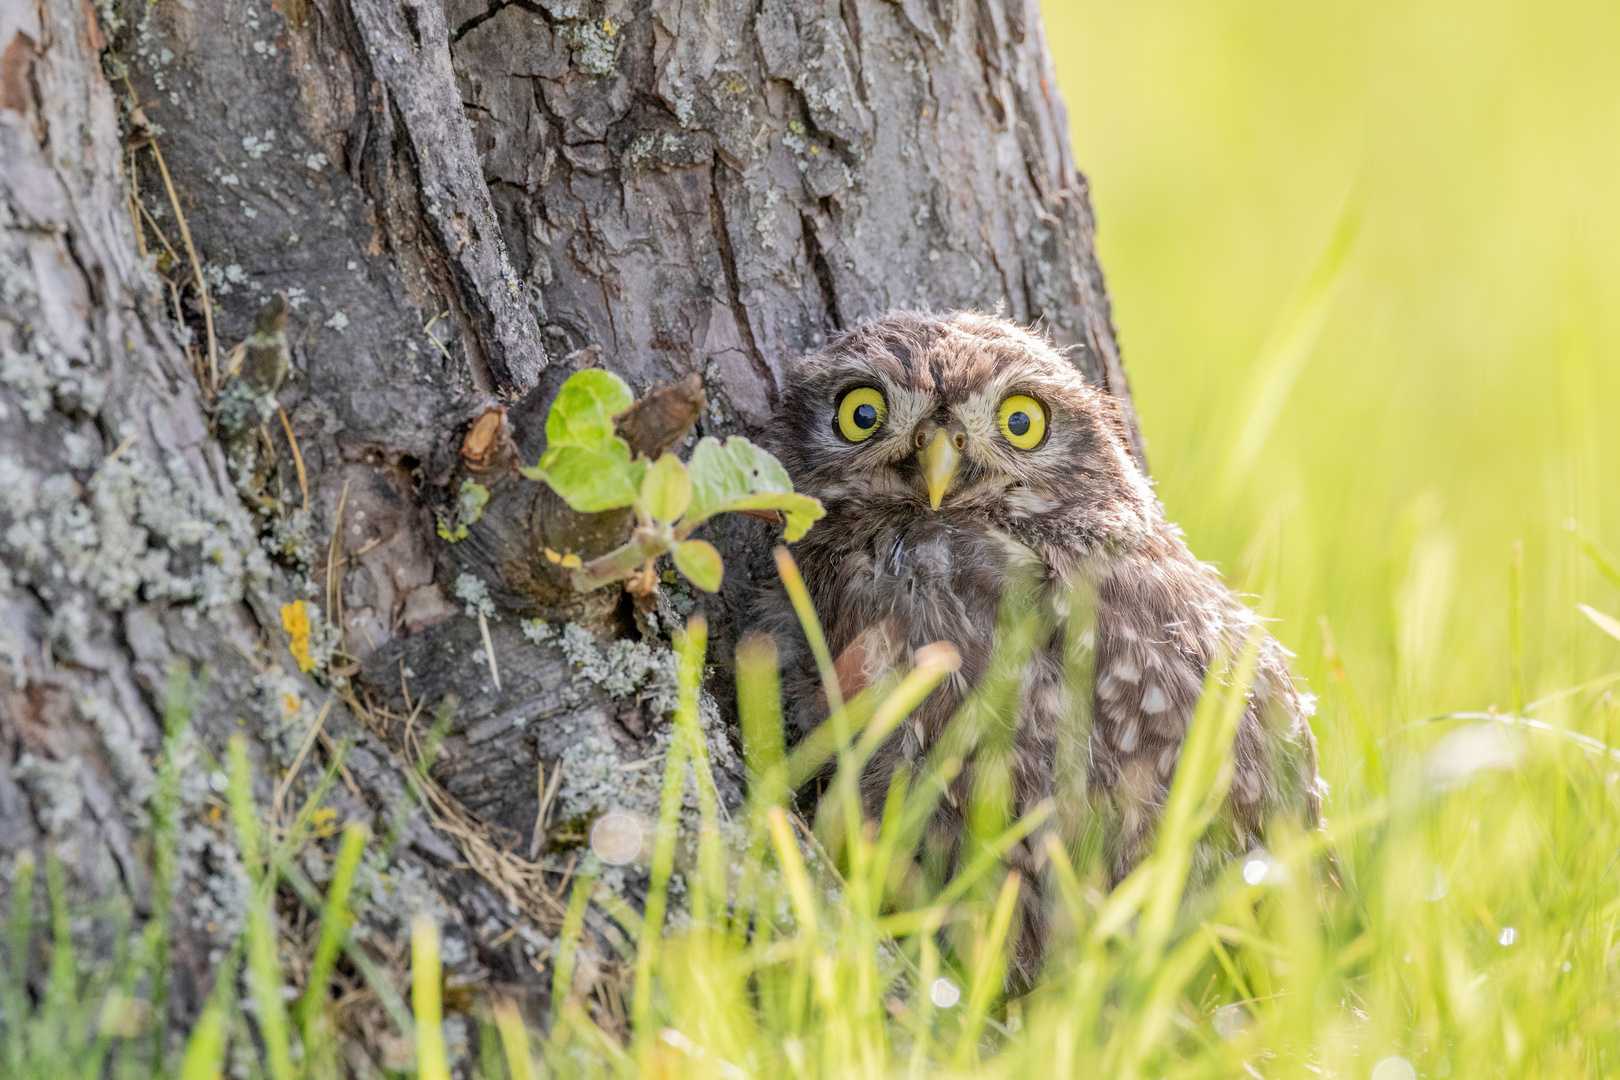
934	578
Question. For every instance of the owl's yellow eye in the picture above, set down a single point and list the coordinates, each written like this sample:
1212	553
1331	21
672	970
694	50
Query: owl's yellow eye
1023	421
860	412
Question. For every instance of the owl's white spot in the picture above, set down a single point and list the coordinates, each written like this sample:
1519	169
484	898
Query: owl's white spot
1127	738
1108	688
1051	699
1248	786
1022	502
1167	759
1155	700
1126	671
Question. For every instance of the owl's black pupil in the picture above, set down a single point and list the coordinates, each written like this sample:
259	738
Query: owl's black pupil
865	416
1018	423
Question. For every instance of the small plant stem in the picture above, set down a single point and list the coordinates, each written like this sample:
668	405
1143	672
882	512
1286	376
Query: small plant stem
619	563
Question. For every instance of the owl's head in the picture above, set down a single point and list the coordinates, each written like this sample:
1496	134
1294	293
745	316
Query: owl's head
959	413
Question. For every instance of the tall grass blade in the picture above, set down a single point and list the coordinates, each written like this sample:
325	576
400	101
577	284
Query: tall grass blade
19	939
264	969
691	647
663	865
426	1003
514	1041
179	703
759	713
562	969
336	919
1291	342
989	965
205	1048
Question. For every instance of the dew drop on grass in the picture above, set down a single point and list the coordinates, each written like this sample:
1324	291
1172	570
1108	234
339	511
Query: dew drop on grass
944	993
1394	1068
1437	887
1508	936
1254	871
1229	1020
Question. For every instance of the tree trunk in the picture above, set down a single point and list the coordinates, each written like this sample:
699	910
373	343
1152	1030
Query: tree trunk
462	204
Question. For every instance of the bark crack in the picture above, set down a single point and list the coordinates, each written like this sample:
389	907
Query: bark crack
823	271
728	261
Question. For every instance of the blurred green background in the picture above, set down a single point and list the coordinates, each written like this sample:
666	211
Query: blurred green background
1364	437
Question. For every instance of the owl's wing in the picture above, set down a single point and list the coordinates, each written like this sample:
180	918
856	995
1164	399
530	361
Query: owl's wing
1163	618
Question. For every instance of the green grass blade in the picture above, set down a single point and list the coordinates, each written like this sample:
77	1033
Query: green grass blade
990	964
663	864
205	1048
759	712
514	1041
425	1001
19	938
1293	339
62	1013
336	919
375	978
562	971
179	704
264	969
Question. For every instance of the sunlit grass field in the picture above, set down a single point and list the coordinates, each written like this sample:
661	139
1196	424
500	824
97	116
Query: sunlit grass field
1364	260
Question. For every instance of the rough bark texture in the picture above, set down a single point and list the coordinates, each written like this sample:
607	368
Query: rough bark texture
463	203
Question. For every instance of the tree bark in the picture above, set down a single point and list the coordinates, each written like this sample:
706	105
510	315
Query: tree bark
462	204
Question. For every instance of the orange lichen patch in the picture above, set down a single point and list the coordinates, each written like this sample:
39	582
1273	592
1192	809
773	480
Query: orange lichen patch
295	620
478	448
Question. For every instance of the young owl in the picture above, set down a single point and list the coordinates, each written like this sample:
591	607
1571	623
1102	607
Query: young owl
973	480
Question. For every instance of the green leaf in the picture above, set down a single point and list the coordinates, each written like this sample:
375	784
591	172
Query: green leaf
667	489
585	407
737	475
591	480
585	462
701	564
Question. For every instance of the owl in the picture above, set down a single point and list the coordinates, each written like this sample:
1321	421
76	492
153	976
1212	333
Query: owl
979	492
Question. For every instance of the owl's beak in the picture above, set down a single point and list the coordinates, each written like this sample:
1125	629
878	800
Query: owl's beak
940	463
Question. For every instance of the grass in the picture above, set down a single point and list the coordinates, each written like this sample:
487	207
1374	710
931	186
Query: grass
1359	256
1461	927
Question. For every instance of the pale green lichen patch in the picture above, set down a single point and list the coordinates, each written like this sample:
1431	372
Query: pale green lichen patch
469	507
472	589
129	532
624	669
54	788
240	406
595	45
595	780
291	540
387	897
287	715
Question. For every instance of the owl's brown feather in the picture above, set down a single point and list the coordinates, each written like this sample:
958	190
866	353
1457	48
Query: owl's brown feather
1064	544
